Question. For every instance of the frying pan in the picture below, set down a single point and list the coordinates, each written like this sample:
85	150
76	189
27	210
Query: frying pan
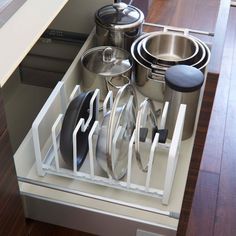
77	109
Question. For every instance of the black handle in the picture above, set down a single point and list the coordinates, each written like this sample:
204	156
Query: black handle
163	133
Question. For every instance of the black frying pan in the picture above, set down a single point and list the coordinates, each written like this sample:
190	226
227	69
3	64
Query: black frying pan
77	109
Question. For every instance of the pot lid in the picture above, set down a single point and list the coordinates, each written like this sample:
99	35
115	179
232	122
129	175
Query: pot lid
107	61
118	14
184	78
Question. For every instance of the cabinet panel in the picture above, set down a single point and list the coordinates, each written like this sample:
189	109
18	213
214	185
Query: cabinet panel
12	220
3	124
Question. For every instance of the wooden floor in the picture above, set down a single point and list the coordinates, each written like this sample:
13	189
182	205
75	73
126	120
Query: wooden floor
214	207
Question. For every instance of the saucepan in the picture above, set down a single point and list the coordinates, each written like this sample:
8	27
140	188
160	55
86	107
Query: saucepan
149	77
148	81
169	48
197	60
106	68
118	25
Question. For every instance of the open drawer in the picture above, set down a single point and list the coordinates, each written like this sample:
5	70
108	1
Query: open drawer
83	205
46	192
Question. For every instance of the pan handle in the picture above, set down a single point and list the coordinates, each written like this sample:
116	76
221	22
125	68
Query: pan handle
156	75
178	29
185	31
114	83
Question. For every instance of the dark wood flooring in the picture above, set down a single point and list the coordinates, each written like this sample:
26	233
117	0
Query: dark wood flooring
218	166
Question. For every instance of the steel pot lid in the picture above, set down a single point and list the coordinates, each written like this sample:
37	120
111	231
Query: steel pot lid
107	61
119	14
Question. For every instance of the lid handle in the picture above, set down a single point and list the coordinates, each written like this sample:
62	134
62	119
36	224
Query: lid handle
120	6
107	54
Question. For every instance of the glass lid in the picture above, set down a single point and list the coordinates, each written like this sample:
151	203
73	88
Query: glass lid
118	14
107	61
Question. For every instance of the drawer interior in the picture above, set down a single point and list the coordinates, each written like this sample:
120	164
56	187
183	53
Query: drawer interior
50	58
29	86
76	192
56	57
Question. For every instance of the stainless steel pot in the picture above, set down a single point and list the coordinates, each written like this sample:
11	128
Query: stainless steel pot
148	81
197	61
149	77
105	68
118	25
169	48
202	65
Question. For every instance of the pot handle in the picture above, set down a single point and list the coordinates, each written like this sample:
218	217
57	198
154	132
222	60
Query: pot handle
126	81
184	31
112	86
178	29
155	75
155	67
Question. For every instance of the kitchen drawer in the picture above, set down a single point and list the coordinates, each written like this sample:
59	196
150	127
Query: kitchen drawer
66	201
88	206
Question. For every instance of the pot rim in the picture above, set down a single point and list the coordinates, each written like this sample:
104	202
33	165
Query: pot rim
206	53
160	60
208	56
201	50
100	48
134	48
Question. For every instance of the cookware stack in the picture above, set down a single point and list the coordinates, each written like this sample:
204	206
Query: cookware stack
108	66
155	52
158	55
164	66
137	101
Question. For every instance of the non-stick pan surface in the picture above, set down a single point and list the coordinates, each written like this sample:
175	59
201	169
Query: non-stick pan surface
77	109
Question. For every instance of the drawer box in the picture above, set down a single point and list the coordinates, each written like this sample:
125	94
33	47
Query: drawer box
69	202
42	195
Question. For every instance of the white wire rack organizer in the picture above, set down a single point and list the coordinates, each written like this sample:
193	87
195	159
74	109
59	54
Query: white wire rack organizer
46	134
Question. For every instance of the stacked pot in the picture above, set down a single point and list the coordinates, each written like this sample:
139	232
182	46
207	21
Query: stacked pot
118	25
155	52
108	66
120	42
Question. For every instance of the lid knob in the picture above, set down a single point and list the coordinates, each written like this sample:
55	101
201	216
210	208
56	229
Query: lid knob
120	6
107	54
